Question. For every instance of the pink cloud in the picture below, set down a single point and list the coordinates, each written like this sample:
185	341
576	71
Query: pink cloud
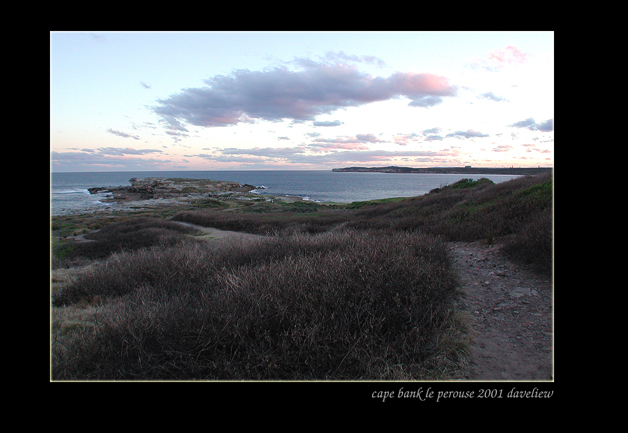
279	93
419	84
402	140
508	55
323	147
358	142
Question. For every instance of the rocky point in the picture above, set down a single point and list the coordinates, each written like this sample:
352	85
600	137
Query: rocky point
169	188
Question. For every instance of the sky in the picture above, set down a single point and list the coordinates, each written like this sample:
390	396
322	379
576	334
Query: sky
289	100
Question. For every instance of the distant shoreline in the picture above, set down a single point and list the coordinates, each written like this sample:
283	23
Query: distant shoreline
449	170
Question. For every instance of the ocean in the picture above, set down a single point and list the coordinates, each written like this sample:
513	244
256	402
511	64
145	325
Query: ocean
69	194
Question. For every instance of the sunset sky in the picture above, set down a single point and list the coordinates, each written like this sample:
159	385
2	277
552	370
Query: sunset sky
300	100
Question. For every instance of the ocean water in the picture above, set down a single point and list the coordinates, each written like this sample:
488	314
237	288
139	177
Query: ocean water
69	192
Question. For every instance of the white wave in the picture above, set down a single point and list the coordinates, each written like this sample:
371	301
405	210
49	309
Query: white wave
72	191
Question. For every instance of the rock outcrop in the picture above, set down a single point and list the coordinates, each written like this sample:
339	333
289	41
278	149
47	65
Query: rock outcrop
170	188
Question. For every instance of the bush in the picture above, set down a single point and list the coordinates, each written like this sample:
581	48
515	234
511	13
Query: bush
470	183
533	243
126	235
466	210
340	305
266	223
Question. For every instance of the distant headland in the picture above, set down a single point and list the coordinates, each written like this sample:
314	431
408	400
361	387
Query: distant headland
449	170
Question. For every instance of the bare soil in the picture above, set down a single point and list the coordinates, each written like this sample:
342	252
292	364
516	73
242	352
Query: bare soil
511	312
210	233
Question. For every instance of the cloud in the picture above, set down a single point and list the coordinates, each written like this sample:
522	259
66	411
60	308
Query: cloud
122	134
98	38
269	152
499	59
106	157
431	131
307	156
532	125
278	93
327	146
172	123
327	123
402	139
341	56
368	138
368	156
508	55
118	151
144	85
469	133
426	101
528	123
105	152
492	97
546	126
257	155
359	141
433	138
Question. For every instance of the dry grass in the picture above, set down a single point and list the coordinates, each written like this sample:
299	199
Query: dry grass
341	305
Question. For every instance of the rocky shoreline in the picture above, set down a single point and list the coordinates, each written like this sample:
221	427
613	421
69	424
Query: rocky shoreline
150	188
155	193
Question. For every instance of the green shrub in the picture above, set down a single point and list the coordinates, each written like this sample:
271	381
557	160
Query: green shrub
470	183
62	251
539	195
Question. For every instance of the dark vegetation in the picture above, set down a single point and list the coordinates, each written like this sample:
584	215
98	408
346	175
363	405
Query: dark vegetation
340	305
363	291
518	211
132	234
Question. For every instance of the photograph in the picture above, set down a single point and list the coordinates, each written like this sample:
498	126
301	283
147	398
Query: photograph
368	207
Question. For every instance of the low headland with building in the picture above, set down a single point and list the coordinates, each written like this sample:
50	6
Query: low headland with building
451	170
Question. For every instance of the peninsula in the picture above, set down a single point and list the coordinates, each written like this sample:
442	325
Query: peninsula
449	170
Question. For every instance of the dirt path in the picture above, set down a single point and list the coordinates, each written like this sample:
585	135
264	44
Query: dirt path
511	315
211	233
